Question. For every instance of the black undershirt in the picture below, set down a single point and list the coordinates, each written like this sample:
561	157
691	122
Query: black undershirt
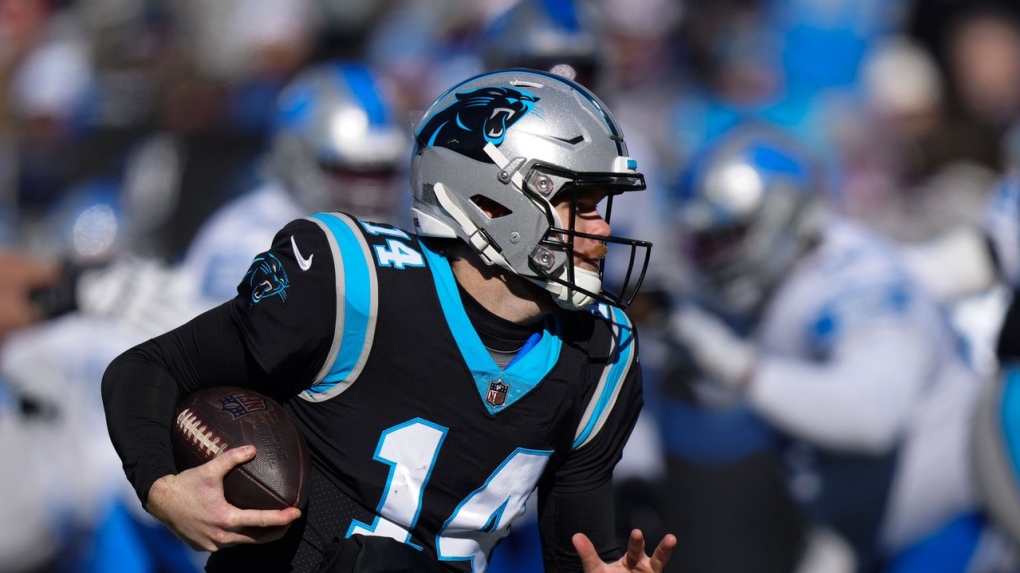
501	337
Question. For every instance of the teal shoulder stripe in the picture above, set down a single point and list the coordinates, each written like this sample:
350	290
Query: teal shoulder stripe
610	384
357	303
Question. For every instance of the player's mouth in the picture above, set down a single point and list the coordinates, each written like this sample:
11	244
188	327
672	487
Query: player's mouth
590	260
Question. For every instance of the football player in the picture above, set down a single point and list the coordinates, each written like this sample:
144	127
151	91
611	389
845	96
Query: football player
441	377
817	327
334	126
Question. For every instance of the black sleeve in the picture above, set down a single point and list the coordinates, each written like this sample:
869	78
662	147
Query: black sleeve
142	386
1009	333
580	497
564	514
272	337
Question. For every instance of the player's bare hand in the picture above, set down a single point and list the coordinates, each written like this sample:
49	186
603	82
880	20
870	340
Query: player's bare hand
19	275
635	560
192	505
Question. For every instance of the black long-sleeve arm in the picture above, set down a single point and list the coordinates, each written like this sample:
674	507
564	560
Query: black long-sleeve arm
142	386
564	514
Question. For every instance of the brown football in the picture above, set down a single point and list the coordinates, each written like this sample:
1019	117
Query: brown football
214	420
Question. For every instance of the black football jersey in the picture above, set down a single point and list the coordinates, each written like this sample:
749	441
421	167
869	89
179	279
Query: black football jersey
404	409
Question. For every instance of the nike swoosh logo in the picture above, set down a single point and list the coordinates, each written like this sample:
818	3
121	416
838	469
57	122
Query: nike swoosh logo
302	262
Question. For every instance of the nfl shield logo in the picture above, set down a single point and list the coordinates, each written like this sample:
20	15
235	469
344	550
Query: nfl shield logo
496	396
241	404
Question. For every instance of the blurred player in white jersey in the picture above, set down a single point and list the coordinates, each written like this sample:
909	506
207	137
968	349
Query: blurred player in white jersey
816	326
337	144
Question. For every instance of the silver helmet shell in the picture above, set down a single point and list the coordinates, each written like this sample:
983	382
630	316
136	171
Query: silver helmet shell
337	144
747	208
523	140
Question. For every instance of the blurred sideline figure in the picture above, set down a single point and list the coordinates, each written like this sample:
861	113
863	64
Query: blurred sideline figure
814	325
34	515
336	145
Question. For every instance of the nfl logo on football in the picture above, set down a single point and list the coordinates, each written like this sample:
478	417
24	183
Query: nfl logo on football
241	404
496	396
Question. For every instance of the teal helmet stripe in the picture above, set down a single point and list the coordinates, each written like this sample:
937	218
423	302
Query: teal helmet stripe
359	80
564	13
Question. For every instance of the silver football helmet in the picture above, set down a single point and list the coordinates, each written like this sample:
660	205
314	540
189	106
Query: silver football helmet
748	207
524	140
337	145
557	36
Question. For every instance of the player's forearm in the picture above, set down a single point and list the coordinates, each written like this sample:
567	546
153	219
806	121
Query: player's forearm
563	514
139	398
859	400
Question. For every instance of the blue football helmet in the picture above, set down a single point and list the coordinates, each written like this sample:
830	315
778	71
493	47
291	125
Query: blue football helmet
555	36
337	145
748	207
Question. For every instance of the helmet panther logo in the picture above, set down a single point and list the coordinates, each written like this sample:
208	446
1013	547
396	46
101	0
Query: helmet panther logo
477	117
265	278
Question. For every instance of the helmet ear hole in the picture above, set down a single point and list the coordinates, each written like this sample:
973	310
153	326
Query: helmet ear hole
491	208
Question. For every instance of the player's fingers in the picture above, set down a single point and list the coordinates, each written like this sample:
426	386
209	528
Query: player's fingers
590	559
266	517
635	548
228	460
245	526
663	552
264	535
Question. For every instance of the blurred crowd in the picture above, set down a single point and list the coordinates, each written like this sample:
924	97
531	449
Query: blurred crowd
832	195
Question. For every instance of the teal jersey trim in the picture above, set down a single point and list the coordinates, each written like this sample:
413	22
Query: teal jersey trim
357	301
523	374
1009	414
611	383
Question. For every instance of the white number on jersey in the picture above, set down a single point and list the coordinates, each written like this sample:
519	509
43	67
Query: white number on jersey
478	523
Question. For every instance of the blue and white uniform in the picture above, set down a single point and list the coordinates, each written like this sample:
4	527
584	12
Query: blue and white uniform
861	373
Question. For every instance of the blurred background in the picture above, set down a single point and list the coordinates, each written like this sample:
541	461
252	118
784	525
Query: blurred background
125	125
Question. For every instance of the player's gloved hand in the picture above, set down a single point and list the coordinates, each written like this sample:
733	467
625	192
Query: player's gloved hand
720	352
634	561
143	294
192	505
